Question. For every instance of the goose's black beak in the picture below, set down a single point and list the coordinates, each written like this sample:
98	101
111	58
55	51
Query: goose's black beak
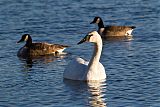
20	41
92	22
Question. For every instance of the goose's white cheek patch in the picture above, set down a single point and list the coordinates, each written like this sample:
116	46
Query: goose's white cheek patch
26	38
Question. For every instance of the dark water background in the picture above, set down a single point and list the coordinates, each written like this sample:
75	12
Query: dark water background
132	67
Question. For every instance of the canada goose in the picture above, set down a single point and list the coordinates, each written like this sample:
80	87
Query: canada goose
112	31
79	69
36	49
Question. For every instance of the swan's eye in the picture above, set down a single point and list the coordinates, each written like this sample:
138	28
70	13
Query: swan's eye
90	35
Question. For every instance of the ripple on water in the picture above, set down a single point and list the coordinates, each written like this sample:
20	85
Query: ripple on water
132	67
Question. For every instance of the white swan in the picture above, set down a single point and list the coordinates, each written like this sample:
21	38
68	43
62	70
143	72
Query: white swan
79	69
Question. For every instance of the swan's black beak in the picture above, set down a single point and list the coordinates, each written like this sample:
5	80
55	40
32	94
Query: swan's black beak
83	40
86	38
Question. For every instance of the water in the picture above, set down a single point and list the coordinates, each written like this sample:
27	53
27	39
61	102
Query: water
132	67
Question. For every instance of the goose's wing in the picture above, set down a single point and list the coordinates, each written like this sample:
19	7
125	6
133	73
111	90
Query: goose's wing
118	30
46	48
76	69
56	47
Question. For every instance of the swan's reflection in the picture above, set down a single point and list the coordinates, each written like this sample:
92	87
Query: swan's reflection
97	93
30	61
94	91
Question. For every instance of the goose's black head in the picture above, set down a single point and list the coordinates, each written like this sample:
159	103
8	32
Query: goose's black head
96	20
25	37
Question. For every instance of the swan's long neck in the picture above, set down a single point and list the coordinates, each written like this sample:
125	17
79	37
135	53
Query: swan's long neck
96	56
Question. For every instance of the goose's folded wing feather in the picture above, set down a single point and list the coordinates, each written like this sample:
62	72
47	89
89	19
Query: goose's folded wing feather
46	48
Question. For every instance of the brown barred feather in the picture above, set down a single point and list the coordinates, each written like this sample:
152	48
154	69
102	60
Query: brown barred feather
112	31
38	49
115	30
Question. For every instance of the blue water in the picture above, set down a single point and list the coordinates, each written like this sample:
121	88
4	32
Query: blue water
132	67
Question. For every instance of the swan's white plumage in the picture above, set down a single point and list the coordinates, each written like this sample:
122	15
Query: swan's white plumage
79	69
76	69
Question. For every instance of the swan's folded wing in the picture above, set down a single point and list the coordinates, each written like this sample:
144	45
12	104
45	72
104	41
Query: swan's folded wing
75	69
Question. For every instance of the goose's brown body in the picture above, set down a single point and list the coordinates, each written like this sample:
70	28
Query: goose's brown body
115	30
37	49
111	30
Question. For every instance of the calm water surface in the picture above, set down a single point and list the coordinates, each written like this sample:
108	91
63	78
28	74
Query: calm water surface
132	67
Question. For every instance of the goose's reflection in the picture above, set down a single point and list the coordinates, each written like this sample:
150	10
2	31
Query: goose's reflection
94	91
30	61
126	43
124	38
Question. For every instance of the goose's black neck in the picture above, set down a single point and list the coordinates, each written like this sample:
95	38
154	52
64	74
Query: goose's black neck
29	41
100	24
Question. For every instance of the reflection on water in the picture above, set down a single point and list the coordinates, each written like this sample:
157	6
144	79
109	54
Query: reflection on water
95	91
132	66
97	94
125	44
124	38
42	59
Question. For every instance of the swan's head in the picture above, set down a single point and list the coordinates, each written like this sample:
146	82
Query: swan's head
93	37
96	20
24	38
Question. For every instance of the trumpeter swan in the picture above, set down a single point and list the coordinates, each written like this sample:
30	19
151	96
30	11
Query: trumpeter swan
79	69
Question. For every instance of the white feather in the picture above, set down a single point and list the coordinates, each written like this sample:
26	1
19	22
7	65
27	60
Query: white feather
128	32
79	69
